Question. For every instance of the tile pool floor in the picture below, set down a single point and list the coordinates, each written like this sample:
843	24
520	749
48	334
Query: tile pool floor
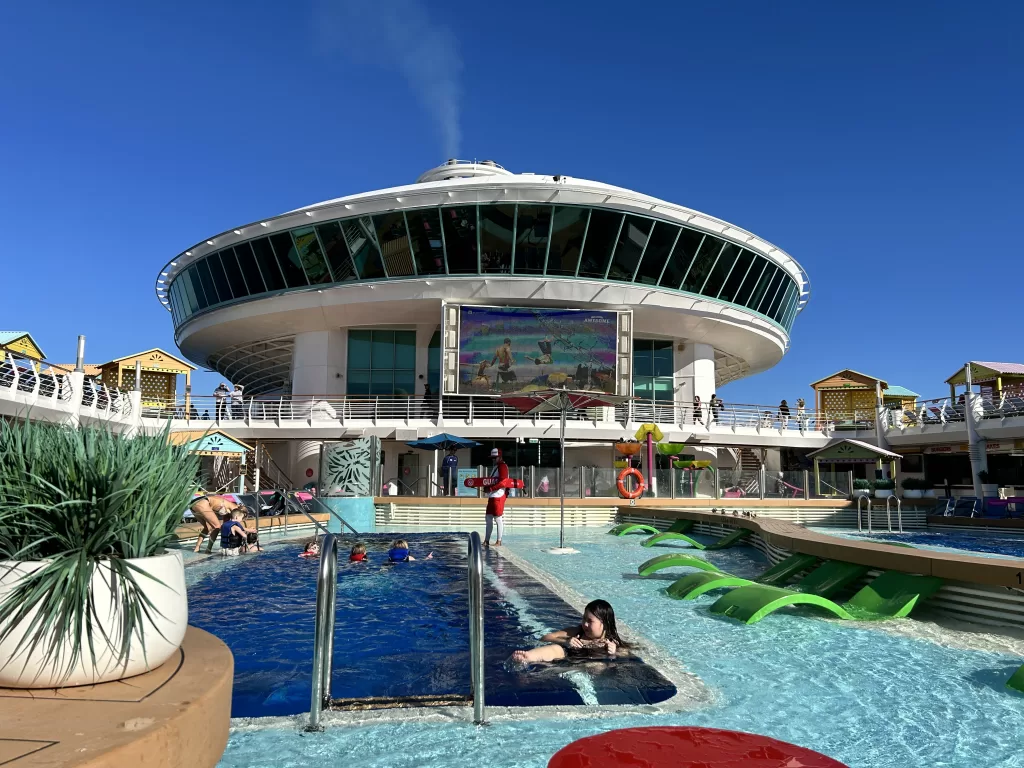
909	694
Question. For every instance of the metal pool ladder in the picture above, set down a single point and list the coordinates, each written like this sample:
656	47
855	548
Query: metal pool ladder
323	633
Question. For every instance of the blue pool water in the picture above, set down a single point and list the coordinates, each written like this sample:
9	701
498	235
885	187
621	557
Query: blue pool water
402	630
868	697
983	543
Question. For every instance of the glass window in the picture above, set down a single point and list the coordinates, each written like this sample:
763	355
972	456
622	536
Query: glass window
774	310
568	225
394	243
496	223
180	301
250	269
200	290
533	226
233	273
203	269
655	255
632	241
762	285
682	256
661	350
188	292
721	270
172	297
772	292
382	382
750	281
405	349
335	251
358	382
735	279
427	245
362	244
791	316
405	382
311	257
643	387
269	269
602	235
220	280
787	310
460	239
382	349
664	389
359	349
382	362
288	260
705	259
653	369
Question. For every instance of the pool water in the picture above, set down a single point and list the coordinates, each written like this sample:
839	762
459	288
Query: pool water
981	543
863	695
401	630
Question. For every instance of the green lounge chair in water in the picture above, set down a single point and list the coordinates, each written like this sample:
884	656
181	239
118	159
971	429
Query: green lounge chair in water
627	528
658	538
675	560
693	585
1016	681
892	595
737	535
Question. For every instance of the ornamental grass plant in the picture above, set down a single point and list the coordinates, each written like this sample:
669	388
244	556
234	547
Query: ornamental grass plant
85	501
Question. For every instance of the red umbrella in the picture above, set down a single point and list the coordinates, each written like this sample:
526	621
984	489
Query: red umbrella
562	401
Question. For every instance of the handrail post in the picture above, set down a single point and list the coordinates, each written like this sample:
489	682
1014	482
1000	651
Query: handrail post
476	625
888	513
323	633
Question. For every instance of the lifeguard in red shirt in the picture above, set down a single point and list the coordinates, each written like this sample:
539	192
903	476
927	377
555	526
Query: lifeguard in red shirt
496	495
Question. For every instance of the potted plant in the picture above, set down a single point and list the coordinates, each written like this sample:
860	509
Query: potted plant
89	592
913	487
989	490
884	488
861	488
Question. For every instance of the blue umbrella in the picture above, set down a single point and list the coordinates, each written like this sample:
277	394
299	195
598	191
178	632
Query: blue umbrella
443	442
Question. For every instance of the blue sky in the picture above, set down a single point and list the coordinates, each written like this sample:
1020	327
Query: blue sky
879	143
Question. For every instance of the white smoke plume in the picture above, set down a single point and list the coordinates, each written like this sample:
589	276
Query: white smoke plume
400	35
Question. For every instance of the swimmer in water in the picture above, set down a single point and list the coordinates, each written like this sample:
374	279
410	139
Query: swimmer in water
595	635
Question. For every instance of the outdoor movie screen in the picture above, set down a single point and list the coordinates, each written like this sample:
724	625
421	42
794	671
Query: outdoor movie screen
510	349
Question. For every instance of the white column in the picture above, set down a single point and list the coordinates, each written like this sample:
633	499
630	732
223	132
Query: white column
305	455
318	362
695	371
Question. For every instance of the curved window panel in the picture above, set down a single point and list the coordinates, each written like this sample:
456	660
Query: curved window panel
681	258
772	292
786	311
288	260
787	321
234	273
202	268
250	269
460	239
172	297
602	234
362	244
394	244
775	310
336	252
633	237
311	256
659	246
197	287
735	279
220	280
427	245
722	269
188	293
268	266
568	225
496	226
533	226
762	286
757	268
703	262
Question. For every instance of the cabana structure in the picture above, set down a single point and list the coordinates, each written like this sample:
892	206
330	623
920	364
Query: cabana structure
994	380
223	457
849	393
845	456
160	372
21	345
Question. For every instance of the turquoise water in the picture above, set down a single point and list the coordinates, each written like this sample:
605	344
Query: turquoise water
866	697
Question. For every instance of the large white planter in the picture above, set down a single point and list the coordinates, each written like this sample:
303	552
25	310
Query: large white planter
24	667
883	494
913	493
862	493
929	494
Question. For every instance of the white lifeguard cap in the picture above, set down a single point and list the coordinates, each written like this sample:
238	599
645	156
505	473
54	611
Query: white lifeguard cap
495	453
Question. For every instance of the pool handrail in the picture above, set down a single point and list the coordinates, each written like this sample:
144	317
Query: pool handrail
868	501
344	523
899	512
476	626
323	633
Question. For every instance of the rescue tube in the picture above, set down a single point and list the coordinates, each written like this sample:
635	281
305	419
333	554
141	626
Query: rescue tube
621	483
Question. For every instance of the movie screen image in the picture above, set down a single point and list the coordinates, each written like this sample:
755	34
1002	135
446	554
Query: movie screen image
512	349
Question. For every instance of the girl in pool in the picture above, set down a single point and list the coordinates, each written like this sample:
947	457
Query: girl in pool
596	635
399	552
358	554
312	549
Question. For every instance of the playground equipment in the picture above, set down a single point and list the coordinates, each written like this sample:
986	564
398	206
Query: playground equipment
675	560
651	434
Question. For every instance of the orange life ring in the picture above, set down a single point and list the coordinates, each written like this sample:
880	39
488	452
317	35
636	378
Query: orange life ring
637	492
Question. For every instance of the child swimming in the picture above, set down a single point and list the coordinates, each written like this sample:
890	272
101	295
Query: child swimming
358	554
312	549
399	552
596	634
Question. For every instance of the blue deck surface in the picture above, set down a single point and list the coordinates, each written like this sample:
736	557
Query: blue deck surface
402	630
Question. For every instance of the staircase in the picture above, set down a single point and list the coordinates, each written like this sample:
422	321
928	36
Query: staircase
272	477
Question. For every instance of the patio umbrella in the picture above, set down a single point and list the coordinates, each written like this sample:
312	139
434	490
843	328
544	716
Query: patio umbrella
561	401
443	442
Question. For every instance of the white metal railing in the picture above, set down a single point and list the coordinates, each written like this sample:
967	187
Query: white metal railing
20	375
948	410
470	409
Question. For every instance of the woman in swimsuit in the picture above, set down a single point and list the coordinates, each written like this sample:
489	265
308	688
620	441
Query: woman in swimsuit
596	635
211	512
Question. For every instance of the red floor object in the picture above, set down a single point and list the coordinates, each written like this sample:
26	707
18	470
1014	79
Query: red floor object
686	747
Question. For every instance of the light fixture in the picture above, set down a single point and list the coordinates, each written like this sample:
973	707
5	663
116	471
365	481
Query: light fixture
238	231
309	213
174	263
264	224
209	242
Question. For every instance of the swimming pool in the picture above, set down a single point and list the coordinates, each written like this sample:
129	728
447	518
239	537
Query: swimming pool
866	696
402	630
993	544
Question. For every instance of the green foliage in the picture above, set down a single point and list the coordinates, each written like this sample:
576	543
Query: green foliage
914	484
885	485
860	484
85	499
